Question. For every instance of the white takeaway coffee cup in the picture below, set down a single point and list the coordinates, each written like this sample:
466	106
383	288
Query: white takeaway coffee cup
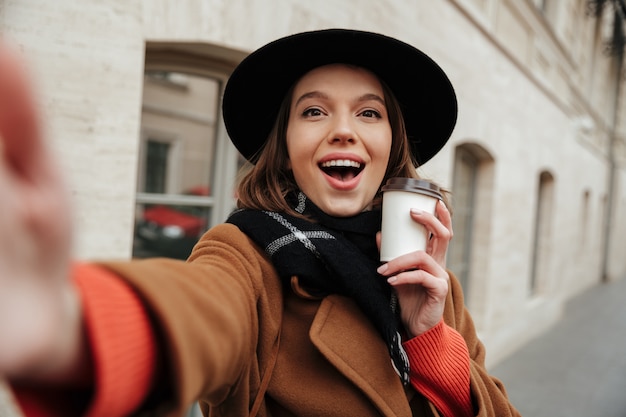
399	232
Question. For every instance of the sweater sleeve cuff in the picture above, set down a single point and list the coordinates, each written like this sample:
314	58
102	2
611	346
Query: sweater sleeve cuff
440	369
121	344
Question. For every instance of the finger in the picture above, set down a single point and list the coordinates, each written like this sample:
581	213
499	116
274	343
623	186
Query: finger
439	227
432	223
441	240
420	276
22	149
409	262
444	216
435	286
29	172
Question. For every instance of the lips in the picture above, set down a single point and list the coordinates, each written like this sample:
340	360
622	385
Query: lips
342	169
342	173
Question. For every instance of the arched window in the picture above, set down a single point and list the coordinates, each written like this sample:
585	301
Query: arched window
187	166
584	222
464	196
543	233
472	189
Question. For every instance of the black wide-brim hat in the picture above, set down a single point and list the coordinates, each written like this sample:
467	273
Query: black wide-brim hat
257	86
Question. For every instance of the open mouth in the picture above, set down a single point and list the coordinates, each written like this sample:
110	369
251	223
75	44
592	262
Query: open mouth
342	169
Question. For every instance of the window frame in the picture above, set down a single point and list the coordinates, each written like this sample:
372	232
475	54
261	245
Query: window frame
203	61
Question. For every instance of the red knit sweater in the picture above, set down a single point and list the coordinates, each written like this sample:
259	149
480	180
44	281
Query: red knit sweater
123	352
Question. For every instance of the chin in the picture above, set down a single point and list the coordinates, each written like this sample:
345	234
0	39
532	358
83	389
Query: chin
343	210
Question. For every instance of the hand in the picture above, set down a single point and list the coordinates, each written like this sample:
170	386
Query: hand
39	310
420	278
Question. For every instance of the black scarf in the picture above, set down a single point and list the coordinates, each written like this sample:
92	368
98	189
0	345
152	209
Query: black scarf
331	255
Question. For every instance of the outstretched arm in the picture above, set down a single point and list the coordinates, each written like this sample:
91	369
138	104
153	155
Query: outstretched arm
40	319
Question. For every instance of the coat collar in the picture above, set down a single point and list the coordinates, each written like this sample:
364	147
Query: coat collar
353	346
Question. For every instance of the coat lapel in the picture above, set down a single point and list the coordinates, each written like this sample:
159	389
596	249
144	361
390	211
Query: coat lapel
351	343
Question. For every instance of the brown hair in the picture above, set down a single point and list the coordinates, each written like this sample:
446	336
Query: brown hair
264	185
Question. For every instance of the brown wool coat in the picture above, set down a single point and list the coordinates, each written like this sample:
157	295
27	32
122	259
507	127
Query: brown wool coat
222	314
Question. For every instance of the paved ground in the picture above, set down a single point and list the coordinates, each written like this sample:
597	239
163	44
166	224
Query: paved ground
577	368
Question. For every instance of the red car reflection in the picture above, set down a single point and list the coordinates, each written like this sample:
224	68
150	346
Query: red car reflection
172	230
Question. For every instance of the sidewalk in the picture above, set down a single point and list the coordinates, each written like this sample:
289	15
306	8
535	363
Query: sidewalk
577	368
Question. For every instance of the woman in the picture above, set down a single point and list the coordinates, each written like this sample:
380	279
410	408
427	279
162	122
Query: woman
284	310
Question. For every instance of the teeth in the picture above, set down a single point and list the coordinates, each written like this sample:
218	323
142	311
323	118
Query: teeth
341	163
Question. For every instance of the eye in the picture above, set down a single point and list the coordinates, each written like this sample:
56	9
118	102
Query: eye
312	112
371	113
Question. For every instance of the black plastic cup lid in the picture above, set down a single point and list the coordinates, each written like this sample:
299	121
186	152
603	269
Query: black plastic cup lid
412	185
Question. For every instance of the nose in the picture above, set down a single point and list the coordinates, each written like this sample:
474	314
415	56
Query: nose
342	129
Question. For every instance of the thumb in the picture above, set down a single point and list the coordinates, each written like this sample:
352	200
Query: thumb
21	147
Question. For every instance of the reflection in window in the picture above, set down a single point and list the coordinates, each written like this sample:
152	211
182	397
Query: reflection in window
178	165
156	166
170	230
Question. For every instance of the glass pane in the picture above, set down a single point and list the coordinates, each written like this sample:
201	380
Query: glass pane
156	166
179	125
179	122
464	189
168	230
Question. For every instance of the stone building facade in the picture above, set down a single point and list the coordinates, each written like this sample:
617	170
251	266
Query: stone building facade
536	160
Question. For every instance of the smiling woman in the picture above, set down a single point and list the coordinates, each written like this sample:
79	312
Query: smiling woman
338	122
272	171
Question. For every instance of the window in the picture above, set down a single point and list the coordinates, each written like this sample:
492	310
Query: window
472	195
543	233
464	187
187	165
584	222
156	166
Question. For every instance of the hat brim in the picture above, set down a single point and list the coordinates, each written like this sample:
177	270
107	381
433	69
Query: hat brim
258	85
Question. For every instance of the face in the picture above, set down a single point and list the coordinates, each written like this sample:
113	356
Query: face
339	138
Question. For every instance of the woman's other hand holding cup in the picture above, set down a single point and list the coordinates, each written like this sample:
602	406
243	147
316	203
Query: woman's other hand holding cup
420	277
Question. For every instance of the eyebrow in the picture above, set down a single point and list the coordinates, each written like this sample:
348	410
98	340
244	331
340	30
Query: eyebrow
319	94
371	96
312	94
